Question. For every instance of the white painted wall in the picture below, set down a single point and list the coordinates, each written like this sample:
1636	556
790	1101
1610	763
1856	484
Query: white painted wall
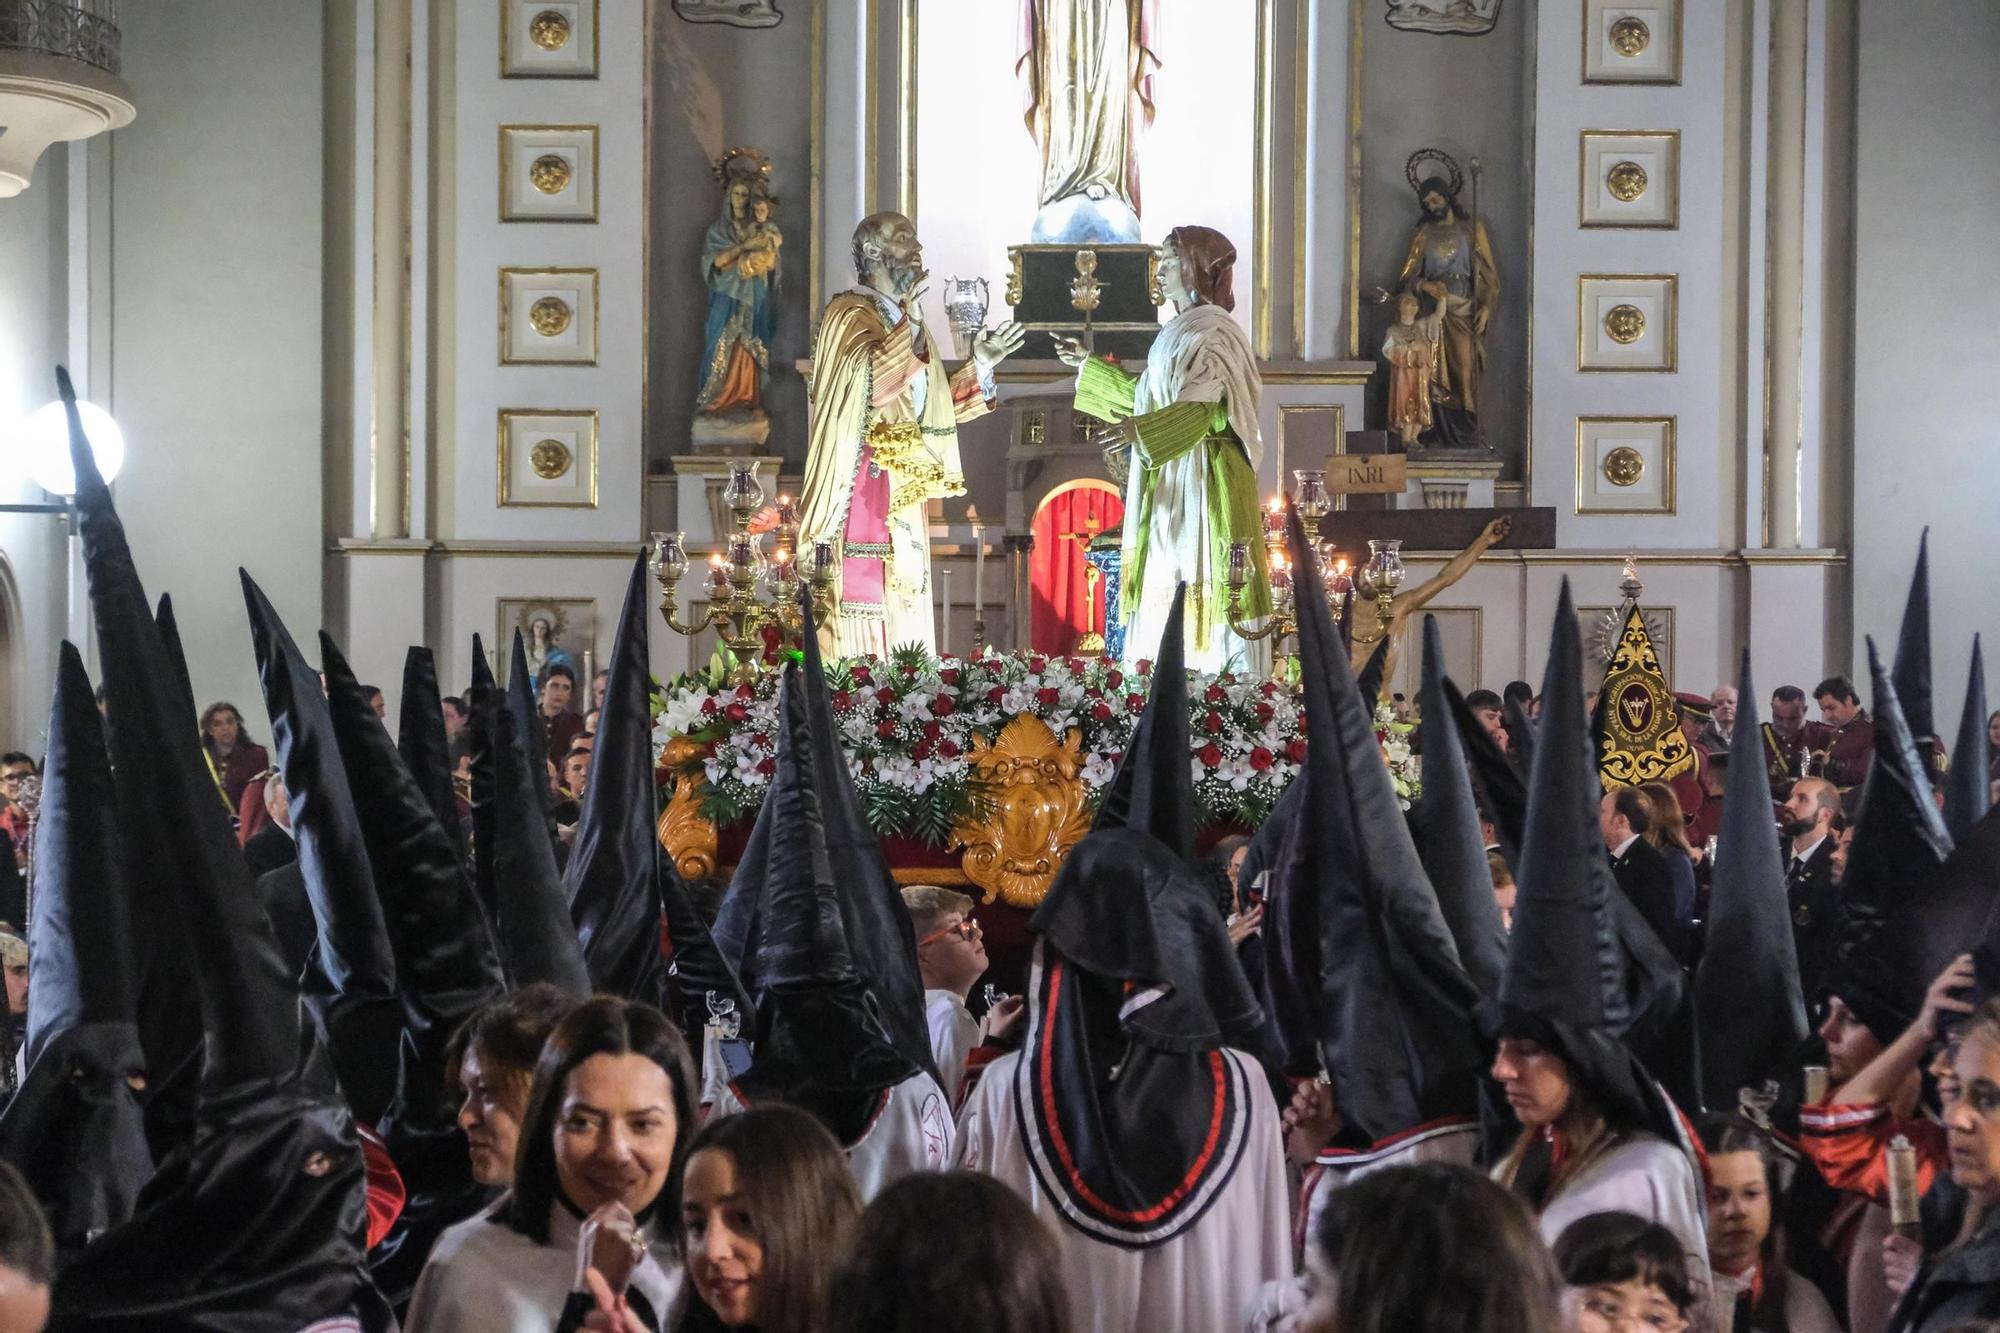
1926	435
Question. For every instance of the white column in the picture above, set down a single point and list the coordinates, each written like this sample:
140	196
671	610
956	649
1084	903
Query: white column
388	508
1785	279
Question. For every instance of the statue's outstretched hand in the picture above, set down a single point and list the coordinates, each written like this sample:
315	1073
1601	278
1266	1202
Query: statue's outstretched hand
1497	530
992	346
1069	351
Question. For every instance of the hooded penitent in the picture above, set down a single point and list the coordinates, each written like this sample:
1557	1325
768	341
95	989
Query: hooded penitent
447	967
1911	670
1369	681
1445	820
1750	1013
613	875
257	1222
1967	788
515	872
1499	782
421	741
822	1041
1153	788
529	730
170	639
1359	931
76	1128
350	981
1520	734
1899	841
1133	1114
1565	985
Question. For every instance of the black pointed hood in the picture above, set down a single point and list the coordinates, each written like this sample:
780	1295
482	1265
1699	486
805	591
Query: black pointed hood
1393	1005
1911	671
613	875
351	980
269	1126
1446	824
1153	788
1899	841
1500	784
702	975
822	1040
517	863
1369	681
1967	790
170	639
76	1128
530	731
1750	1012
1520	733
423	746
1566	982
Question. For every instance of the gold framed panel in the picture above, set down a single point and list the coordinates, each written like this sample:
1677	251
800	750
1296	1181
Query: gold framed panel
1625	464
526	193
1457	625
532	473
548	316
1632	43
1627	322
1629	178
528	46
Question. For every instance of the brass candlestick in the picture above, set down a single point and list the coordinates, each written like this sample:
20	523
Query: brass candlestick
1313	503
736	610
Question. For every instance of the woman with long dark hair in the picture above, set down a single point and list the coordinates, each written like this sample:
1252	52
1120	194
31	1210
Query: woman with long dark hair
233	758
491	1059
766	1206
1754	1288
607	1123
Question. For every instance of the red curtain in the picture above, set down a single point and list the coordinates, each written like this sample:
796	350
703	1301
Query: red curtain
1055	572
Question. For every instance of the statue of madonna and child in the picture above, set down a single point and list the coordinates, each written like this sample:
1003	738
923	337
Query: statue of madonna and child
740	265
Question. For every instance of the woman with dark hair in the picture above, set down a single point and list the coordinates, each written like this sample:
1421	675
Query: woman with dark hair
1754	1289
491	1059
1623	1272
233	758
767	1203
957	1251
602	1145
1187	425
1416	1249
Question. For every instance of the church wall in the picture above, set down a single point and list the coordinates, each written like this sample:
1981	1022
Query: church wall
1927	183
215	369
1468	96
33	547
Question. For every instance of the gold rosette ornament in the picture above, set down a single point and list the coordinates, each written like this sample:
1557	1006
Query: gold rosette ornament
1643	740
1034	809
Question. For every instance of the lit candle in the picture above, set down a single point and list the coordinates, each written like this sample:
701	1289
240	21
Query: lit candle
978	564
718	575
944	631
1274	519
1815	1090
1239	563
823	560
788	514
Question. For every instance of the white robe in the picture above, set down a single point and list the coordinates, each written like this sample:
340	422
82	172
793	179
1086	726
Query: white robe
1650	1177
913	1132
485	1277
954	1032
1206	1278
1200	356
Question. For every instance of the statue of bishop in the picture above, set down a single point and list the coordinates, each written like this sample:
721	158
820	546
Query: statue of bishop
1086	73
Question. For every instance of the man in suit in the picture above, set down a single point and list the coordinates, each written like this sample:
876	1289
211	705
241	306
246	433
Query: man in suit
1812	812
1642	873
271	846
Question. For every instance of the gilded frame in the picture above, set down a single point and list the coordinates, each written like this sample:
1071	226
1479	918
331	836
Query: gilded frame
1593	15
1669	149
507	70
586	136
512	416
1667	428
1669	295
507	275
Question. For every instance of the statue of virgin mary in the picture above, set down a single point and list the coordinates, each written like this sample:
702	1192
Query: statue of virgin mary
1086	72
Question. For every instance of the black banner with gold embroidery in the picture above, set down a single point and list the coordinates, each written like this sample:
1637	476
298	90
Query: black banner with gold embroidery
1643	740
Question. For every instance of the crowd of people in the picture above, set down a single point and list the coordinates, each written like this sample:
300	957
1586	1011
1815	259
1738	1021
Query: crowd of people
413	1024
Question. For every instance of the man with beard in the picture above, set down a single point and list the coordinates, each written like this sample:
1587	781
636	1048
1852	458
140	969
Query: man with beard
1791	743
1451	262
1810	814
882	439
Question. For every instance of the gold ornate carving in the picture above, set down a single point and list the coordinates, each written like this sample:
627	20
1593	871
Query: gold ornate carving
1626	181
1035	811
549	173
1643	740
1625	324
1629	36
1624	466
550	459
551	315
1015	276
687	837
549	30
1154	291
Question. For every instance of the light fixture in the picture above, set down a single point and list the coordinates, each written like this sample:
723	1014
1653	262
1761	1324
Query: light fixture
41	446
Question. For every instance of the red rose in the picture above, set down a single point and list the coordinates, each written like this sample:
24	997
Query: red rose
767	766
1264	712
1073	663
745	692
1210	756
759	739
1036	665
1047	696
736	713
1212	724
708	707
885	696
949	675
842	700
1261	759
886	730
1268	689
1145	666
922	751
1215	694
909	669
932	731
948	748
1113	679
996	694
1228	678
1135	703
942	706
1102	712
1296	751
861	676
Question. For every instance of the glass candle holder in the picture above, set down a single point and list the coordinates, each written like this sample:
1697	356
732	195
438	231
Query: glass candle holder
1385	565
1313	502
743	492
672	558
1239	564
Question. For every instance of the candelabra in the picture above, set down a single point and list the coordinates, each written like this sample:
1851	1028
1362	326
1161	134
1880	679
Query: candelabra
738	610
1313	504
1379	579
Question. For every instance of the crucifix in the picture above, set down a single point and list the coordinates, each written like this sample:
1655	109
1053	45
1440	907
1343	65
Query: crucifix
1090	643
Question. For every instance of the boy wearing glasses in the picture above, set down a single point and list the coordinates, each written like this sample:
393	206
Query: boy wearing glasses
951	957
